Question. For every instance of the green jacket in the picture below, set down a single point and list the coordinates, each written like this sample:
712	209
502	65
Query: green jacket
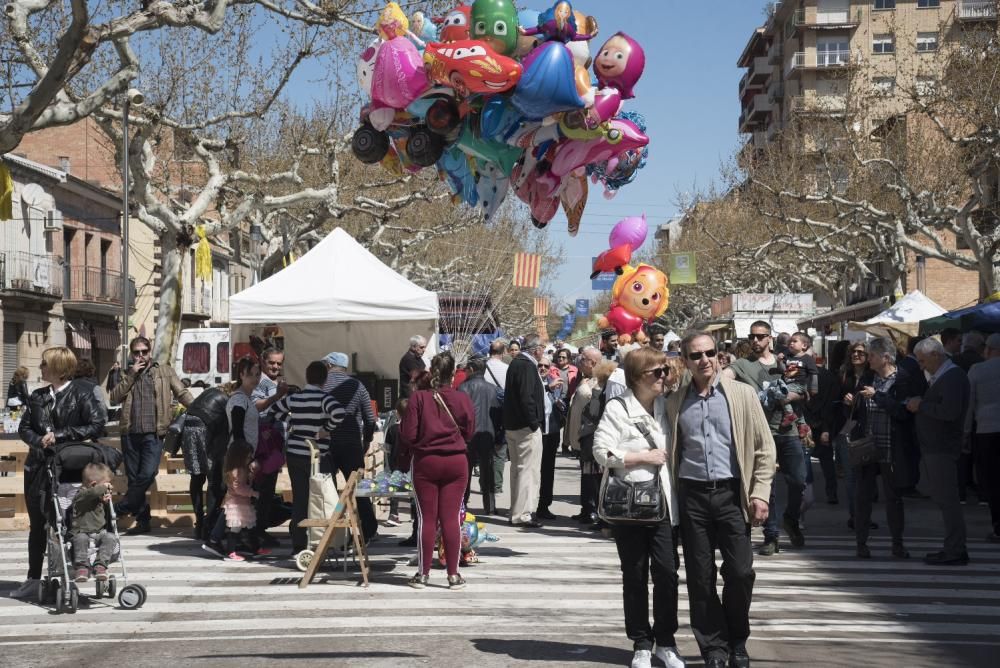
166	386
88	509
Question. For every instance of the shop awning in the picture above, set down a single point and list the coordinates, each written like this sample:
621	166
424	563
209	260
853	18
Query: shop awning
716	326
982	317
859	311
79	335
108	338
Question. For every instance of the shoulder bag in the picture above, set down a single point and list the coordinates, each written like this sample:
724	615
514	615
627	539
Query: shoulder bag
860	451
632	503
440	400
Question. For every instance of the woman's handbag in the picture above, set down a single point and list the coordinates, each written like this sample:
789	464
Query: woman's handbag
632	503
860	451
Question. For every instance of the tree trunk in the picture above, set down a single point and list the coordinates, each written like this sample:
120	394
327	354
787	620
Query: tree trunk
168	318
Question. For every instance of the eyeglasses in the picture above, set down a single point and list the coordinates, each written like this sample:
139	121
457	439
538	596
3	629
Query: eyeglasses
141	351
659	372
544	366
695	356
759	337
860	353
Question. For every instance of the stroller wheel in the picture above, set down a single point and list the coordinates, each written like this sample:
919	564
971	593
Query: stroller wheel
57	592
132	596
303	559
74	599
43	591
112	585
99	588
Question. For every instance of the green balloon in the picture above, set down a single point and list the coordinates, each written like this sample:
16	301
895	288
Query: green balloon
495	22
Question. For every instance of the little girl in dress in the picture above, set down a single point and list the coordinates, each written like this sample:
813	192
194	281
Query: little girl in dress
240	513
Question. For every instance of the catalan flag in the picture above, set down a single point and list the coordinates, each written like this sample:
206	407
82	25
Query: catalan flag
527	270
541	307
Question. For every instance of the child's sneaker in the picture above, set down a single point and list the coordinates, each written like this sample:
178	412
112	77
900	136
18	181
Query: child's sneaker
232	556
82	575
262	552
100	573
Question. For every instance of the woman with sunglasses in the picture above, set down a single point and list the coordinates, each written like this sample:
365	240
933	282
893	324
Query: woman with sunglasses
854	375
621	446
62	411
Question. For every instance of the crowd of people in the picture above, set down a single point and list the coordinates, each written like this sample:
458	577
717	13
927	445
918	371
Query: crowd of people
708	424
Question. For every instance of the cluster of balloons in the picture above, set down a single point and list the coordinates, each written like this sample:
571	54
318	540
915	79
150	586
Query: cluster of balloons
502	101
474	534
640	294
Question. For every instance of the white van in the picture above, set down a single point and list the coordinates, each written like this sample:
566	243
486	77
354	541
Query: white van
203	356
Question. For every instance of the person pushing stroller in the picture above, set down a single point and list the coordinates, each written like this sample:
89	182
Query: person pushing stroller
89	523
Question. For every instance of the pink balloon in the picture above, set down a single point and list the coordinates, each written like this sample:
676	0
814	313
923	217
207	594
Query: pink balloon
399	77
631	231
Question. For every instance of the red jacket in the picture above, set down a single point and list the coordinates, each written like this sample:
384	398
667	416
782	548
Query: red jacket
427	429
573	375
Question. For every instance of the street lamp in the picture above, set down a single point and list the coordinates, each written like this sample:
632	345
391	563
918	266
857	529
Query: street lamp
132	97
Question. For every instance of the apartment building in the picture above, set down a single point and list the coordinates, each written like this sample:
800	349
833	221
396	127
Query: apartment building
811	55
85	149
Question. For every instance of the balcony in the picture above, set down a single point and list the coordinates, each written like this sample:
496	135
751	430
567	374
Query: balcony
976	10
755	113
820	105
817	60
95	290
831	21
759	139
197	303
760	70
29	275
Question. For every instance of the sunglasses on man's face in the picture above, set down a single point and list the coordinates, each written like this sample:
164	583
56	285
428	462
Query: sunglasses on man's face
695	356
140	351
760	337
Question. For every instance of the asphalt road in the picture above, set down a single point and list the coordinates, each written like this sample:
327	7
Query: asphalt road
543	598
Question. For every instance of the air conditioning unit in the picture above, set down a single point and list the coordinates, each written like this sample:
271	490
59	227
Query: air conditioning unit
53	221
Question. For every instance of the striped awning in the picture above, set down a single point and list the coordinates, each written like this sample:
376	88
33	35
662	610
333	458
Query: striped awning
108	338
79	335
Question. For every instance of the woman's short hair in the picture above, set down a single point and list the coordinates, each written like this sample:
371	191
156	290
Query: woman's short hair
20	374
60	361
638	361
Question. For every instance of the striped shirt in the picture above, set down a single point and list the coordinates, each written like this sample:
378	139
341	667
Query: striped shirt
352	395
305	413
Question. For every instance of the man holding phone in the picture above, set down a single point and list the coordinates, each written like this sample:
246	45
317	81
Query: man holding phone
145	393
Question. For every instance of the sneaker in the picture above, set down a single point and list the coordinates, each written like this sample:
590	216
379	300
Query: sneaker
456	582
262	552
28	589
392	521
82	575
769	548
214	549
795	536
100	573
418	581
670	657
233	556
642	659
408	542
863	552
899	552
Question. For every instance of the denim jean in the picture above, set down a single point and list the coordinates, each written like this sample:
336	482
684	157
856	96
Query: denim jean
792	460
142	461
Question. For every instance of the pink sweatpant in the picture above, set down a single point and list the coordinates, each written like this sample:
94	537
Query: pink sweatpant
439	482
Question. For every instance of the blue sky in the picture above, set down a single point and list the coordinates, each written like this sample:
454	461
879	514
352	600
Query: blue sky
688	95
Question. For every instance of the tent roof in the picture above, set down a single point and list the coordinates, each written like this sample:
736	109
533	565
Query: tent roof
982	317
903	317
337	281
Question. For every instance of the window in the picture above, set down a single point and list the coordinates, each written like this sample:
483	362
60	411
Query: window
222	357
925	86
832	51
883	44
834	181
884	4
927	41
927	4
196	358
884	85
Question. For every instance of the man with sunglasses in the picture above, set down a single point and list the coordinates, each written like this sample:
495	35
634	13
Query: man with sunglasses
723	458
760	370
145	393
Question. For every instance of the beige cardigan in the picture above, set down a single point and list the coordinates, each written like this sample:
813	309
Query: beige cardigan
754	445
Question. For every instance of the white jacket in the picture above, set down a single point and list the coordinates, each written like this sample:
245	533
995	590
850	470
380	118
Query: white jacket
617	434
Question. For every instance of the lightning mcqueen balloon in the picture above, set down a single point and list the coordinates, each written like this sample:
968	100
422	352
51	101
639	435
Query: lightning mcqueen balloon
470	66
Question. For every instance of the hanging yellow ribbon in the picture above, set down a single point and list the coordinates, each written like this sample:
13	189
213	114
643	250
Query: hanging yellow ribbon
203	256
6	193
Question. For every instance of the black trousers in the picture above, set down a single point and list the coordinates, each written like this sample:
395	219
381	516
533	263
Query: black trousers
481	452
824	453
299	470
36	528
713	519
987	451
216	490
550	448
864	490
643	550
347	460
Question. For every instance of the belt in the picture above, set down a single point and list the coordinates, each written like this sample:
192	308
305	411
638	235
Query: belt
710	485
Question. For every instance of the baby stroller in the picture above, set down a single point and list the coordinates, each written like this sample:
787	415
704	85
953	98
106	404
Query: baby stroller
63	471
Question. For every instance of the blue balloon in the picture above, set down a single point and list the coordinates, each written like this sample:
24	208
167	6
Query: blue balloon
492	186
496	152
548	85
454	164
499	119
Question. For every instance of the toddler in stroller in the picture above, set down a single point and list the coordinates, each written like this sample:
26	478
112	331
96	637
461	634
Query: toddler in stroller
89	521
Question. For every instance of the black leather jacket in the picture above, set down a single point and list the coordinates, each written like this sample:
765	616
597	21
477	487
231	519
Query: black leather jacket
76	414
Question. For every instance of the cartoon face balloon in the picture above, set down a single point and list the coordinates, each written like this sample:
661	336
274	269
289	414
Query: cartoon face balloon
455	25
619	64
495	22
471	66
366	67
392	22
642	291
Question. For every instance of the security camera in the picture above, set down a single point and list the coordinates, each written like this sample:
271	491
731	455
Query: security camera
134	97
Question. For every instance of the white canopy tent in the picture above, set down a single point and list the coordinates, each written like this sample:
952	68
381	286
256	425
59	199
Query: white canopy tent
338	297
902	318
